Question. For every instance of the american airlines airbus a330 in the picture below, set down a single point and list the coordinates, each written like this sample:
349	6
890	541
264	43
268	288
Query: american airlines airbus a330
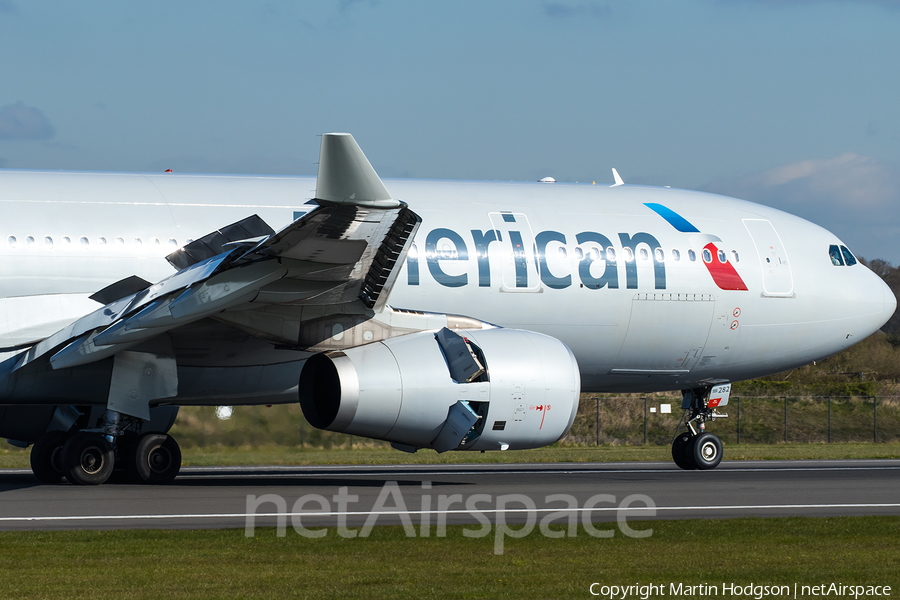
443	315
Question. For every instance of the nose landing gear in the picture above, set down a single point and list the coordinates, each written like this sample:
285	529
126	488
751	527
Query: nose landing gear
695	448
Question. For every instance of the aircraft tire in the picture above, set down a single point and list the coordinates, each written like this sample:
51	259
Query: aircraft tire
88	459
706	451
680	451
156	458
46	457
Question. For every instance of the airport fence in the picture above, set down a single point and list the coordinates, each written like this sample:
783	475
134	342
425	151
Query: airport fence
601	419
653	420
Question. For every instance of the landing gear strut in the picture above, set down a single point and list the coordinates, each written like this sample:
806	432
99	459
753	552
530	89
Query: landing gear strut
694	448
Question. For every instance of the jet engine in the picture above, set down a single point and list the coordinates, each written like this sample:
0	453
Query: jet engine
486	389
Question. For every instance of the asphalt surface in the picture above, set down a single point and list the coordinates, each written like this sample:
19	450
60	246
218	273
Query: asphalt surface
311	496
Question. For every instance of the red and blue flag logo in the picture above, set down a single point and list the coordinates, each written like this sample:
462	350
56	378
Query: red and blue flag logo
722	271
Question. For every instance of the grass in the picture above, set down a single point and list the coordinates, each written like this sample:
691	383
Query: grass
225	564
295	455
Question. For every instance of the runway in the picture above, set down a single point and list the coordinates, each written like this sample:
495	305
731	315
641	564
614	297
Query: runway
315	496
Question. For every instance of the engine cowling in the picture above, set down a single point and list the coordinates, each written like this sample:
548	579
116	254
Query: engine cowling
401	390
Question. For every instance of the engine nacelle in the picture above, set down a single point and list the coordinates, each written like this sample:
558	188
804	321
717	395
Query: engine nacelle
401	390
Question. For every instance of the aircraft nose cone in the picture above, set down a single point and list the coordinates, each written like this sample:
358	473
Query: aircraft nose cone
870	301
890	301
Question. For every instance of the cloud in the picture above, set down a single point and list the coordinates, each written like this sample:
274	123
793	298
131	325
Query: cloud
565	10
848	181
8	7
857	197
20	122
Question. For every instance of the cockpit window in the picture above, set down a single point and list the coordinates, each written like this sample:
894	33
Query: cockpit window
835	254
841	256
849	259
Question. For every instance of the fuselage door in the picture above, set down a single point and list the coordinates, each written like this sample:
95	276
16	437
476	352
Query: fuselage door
776	270
518	260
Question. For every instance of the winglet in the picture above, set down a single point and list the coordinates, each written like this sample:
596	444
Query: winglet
346	176
618	179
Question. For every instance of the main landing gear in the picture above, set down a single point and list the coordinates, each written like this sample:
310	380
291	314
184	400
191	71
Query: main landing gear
117	450
695	448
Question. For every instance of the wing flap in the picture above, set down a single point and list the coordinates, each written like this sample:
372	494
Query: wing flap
217	242
347	250
107	315
120	289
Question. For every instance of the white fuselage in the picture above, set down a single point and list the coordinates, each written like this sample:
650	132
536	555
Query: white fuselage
627	287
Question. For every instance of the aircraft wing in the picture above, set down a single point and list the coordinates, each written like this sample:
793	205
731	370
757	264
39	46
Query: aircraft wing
348	249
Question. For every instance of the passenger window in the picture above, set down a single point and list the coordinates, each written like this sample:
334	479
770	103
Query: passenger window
849	259
611	254
835	255
562	252
722	258
29	241
174	244
84	242
644	254
101	241
629	254
120	243
707	255
692	256
659	255
676	255
48	242
595	254
66	242
734	256
138	242
579	253
13	242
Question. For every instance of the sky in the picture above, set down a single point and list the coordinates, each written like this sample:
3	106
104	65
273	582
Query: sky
790	103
